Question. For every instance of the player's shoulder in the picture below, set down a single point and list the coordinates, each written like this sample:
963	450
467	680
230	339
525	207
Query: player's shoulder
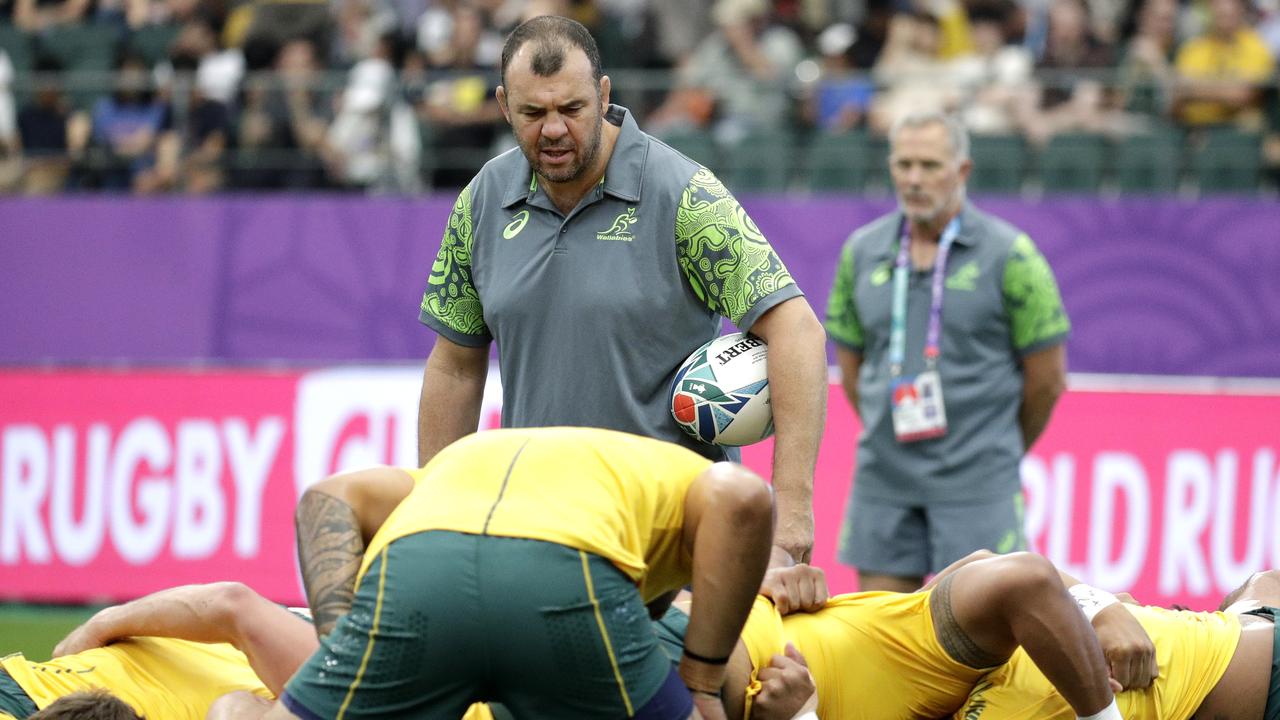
874	236
669	170
997	235
501	176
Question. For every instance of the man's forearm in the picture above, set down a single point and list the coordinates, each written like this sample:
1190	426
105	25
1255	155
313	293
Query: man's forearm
798	393
450	404
330	548
188	612
1033	415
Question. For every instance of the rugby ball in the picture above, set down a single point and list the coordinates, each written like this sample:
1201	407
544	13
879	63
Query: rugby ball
720	394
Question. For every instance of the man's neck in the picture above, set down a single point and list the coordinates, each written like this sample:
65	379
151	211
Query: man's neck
931	232
567	195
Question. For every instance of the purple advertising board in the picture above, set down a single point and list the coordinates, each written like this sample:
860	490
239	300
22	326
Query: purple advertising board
1153	286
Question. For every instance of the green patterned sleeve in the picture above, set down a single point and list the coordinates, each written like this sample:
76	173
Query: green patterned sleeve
724	256
842	323
451	305
1036	317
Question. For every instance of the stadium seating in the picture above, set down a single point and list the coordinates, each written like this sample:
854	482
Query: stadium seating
1073	163
760	162
698	145
1228	161
1149	162
999	162
84	48
152	42
838	162
17	45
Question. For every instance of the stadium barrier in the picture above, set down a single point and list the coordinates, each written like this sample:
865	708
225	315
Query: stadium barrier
117	483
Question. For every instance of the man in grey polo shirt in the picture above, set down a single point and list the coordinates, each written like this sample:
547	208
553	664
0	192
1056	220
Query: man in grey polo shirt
951	400
598	258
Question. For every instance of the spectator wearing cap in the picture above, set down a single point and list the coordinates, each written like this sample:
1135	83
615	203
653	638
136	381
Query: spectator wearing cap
841	96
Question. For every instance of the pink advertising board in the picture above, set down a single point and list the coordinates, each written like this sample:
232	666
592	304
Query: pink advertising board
114	484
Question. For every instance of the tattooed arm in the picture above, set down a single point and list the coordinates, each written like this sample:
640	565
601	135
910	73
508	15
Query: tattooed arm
335	520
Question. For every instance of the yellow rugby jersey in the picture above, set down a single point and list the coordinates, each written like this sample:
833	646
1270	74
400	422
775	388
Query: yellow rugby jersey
874	656
763	637
609	493
159	677
1192	652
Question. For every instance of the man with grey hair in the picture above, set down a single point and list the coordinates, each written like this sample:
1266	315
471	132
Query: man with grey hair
949	332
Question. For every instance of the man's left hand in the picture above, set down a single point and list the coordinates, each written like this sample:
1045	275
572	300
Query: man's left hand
800	588
1131	656
82	638
787	688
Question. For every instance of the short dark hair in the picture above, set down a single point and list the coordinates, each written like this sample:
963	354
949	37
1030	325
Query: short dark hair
88	705
554	36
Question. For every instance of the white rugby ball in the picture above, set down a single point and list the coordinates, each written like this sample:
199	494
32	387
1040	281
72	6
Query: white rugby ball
720	394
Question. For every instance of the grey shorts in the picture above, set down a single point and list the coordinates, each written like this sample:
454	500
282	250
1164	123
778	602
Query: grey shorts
919	540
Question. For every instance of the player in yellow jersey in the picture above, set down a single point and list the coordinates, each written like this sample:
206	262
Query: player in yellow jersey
216	619
895	656
1214	666
158	677
516	567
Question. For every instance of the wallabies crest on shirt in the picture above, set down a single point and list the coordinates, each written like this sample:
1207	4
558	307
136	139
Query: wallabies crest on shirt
620	230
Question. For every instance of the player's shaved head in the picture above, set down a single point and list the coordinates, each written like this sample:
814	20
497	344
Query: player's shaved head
88	705
552	38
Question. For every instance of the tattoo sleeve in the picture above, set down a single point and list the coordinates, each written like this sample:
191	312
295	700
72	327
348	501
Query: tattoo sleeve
951	636
330	548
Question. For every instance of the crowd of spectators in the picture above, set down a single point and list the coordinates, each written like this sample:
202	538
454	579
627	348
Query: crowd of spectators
397	95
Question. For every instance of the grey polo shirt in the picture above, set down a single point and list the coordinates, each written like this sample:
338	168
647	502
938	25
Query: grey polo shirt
1000	303
593	312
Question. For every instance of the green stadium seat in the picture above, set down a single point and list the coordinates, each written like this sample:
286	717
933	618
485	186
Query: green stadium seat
152	42
760	162
1229	161
89	51
998	163
17	45
838	163
1149	162
1073	163
697	145
878	162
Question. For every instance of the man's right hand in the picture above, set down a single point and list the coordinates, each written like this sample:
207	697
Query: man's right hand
707	707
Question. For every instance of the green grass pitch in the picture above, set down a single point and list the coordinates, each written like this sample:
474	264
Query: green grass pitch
33	630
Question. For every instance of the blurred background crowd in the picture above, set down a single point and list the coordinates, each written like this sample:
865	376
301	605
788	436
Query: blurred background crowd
152	96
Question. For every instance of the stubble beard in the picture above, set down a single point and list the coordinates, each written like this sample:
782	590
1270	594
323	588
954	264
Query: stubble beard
586	157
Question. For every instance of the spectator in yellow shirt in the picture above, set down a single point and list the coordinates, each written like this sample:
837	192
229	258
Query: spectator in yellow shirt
1221	72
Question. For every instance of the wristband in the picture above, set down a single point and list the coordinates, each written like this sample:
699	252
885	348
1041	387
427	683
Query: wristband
704	659
1091	600
811	715
1110	712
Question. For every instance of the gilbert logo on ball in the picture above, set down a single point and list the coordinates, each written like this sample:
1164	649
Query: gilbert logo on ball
720	394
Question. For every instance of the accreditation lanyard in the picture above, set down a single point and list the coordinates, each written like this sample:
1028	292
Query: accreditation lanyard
901	276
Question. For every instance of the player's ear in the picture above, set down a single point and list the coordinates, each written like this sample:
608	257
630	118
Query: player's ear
501	95
605	86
